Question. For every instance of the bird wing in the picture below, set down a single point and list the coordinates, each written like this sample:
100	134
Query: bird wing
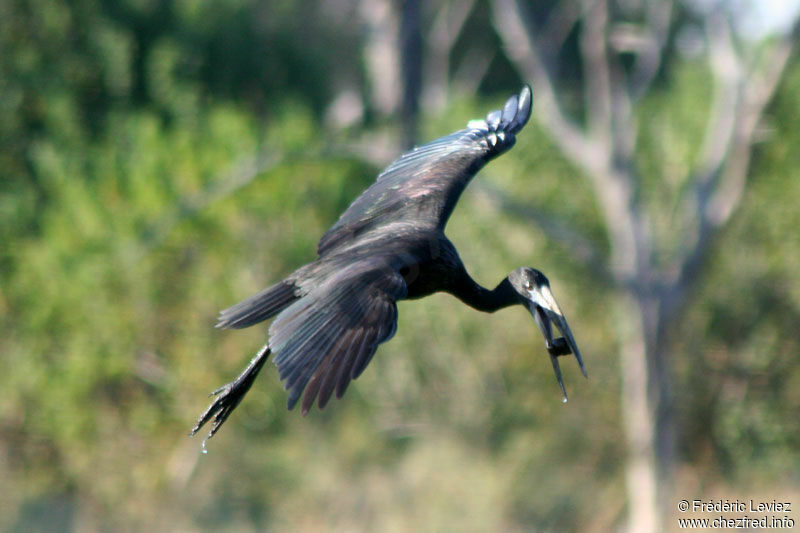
259	307
423	185
329	335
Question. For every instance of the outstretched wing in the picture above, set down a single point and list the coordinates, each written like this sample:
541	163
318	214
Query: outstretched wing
424	184
328	336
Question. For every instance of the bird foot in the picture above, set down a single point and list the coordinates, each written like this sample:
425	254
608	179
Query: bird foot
230	395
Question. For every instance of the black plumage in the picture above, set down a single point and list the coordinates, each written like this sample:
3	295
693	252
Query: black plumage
389	245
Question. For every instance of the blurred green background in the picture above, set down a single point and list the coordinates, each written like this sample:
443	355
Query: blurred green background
160	161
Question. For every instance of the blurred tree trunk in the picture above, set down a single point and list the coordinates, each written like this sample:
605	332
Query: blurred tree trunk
649	291
382	54
393	58
411	63
446	28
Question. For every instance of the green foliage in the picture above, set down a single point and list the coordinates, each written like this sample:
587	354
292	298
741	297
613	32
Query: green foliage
163	160
739	378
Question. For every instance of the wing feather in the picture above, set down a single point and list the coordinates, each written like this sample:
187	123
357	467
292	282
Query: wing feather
424	184
331	377
328	336
344	377
259	307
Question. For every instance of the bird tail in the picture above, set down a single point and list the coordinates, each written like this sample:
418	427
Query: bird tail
259	307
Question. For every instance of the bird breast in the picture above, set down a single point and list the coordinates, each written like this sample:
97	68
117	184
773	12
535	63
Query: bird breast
434	266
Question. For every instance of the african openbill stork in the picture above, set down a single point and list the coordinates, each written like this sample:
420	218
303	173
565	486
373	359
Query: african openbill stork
389	245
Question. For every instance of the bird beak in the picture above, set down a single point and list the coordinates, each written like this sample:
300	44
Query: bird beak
546	312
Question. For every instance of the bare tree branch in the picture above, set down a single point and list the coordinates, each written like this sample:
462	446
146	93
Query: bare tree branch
410	46
650	51
594	153
646	297
523	50
720	188
558	230
442	37
757	93
727	68
646	41
473	69
612	96
560	22
612	128
381	54
596	73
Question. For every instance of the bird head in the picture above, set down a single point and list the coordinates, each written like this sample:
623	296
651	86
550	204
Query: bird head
534	291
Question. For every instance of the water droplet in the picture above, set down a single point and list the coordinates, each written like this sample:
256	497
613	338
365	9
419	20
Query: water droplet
563	400
204	450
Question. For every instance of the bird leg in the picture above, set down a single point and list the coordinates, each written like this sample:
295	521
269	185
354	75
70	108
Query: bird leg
228	396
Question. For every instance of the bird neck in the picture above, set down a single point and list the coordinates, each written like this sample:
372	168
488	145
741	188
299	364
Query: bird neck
483	299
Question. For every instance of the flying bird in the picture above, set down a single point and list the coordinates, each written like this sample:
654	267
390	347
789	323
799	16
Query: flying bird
389	245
